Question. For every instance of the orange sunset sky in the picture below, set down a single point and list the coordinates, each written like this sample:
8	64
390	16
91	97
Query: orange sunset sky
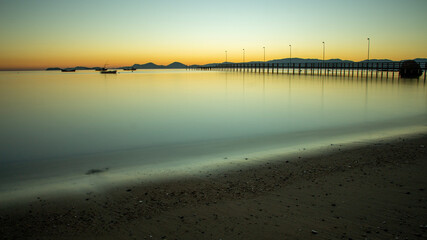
47	33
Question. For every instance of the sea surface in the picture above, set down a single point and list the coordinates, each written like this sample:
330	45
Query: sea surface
56	127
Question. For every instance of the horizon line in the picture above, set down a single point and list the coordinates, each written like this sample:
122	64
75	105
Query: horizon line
116	67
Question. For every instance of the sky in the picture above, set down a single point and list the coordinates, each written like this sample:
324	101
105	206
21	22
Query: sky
35	34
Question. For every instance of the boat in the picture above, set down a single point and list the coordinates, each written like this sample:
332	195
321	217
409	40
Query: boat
68	70
129	69
108	71
104	70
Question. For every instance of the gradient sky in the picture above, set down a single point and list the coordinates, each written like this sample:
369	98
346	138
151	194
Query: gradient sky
64	33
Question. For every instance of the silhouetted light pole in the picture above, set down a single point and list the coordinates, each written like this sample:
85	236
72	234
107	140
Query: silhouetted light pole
323	52
225	56
290	54
264	53
369	43
243	55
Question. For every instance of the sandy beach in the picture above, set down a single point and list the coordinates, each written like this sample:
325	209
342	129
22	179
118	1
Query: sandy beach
373	190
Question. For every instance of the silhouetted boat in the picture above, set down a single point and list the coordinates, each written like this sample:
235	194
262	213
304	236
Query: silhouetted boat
104	70
129	69
68	70
109	71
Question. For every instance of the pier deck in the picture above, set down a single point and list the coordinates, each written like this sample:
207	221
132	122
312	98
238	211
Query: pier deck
358	69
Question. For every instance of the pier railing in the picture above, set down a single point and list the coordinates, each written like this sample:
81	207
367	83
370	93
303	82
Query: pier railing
365	69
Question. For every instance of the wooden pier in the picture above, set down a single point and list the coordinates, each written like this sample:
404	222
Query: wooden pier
353	69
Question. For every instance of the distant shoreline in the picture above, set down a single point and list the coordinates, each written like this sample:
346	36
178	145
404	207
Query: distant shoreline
178	65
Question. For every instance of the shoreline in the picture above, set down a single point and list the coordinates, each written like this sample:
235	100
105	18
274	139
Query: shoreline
69	178
342	191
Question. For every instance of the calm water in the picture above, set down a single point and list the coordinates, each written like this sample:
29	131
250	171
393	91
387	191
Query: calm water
62	124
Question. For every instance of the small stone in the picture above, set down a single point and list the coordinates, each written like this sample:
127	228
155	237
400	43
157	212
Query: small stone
95	171
314	231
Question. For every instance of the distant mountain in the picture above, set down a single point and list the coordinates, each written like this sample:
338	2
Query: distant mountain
289	60
149	65
76	68
378	60
196	66
83	68
294	60
208	65
310	60
176	65
420	60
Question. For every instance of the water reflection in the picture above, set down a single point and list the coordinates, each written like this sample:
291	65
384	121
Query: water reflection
47	115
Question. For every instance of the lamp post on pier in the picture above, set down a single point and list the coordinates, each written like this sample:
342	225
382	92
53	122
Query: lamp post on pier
225	56
290	54
367	64
243	55
323	52
323	60
264	53
369	43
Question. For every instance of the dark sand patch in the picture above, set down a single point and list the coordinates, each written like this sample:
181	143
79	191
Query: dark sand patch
96	171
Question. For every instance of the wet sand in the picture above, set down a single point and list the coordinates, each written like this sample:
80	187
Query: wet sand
374	190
